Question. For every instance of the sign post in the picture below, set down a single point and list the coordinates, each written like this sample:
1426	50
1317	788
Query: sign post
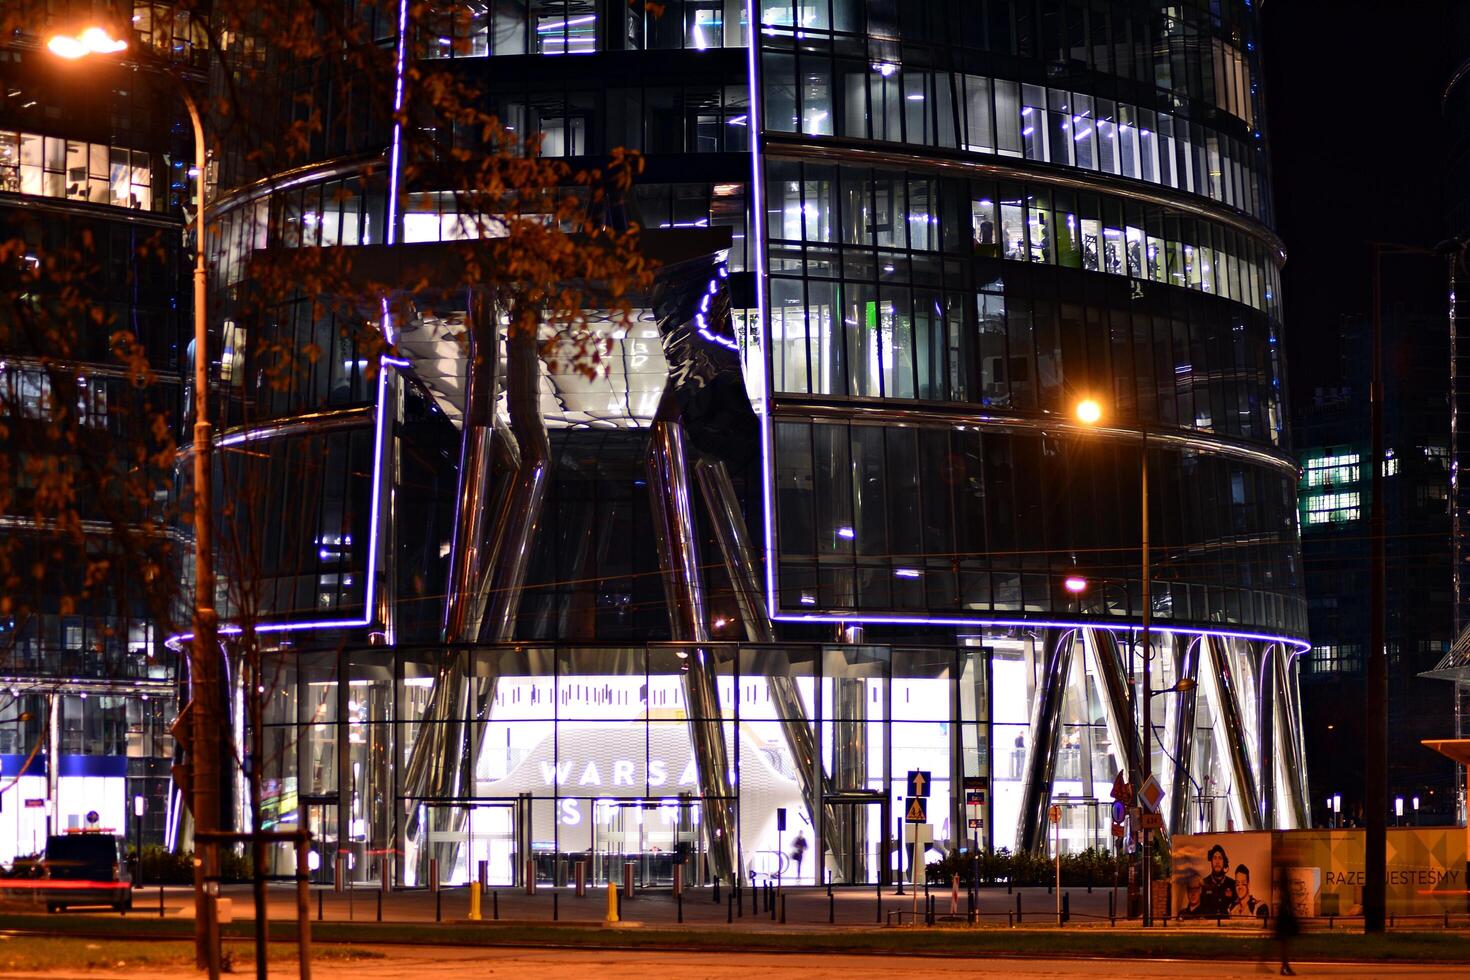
917	812
1054	814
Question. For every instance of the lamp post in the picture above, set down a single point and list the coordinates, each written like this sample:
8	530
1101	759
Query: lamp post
1089	412
204	706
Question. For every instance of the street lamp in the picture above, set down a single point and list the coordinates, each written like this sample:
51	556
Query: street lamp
203	672
1089	413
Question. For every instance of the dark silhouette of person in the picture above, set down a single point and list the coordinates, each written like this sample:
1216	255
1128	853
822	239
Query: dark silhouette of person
798	851
1217	891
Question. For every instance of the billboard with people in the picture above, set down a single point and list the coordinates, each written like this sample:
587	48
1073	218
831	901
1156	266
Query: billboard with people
1320	872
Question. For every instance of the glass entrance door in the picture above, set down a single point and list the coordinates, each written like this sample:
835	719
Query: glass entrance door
321	821
461	835
859	847
653	834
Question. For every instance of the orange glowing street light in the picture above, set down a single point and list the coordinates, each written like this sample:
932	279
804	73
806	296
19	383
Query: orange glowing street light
93	40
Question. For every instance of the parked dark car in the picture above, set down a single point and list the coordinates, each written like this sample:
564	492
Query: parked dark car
86	869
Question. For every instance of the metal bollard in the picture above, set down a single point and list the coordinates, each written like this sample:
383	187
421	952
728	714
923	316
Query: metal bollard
678	880
627	879
474	915
530	876
1018	908
831	906
717	891
581	879
555	906
1112	909
771	899
340	876
612	902
495	905
160	901
878	888
482	873
730	907
319	893
783	909
679	902
379	893
1067	907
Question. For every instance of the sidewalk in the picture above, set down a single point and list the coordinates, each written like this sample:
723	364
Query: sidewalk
805	908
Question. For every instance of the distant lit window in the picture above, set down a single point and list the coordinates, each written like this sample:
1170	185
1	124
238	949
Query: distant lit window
1332	470
1332	658
1331	508
49	166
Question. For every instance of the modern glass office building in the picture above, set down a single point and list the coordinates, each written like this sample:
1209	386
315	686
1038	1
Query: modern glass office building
825	514
92	188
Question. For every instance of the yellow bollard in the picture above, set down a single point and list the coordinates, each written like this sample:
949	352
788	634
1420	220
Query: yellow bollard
612	902
474	901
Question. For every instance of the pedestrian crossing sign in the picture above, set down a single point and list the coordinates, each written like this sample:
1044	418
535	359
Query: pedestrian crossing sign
918	811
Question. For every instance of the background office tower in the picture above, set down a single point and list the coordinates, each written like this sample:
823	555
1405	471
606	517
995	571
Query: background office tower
824	514
93	188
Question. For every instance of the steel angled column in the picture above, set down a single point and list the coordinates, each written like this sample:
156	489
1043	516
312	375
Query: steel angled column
1230	734
741	563
1045	734
1184	705
1288	739
1266	740
1117	711
678	547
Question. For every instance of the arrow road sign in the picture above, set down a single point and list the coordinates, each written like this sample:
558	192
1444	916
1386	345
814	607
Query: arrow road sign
918	811
918	783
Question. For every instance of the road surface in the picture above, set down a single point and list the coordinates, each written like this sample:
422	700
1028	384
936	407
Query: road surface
432	963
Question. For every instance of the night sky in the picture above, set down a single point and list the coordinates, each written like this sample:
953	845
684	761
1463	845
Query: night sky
1357	145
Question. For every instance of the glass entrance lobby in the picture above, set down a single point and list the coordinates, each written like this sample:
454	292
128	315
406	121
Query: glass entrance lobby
567	755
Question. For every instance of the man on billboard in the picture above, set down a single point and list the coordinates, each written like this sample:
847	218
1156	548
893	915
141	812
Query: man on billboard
1217	891
1246	903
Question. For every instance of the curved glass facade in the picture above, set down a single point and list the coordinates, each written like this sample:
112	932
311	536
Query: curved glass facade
820	517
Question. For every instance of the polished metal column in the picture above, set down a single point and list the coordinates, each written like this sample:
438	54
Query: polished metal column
1288	740
1116	702
678	547
470	546
742	565
1263	655
1231	736
1185	700
1045	734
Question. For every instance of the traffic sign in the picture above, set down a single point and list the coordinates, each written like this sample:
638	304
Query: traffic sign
1054	813
1122	791
1152	821
918	834
1117	830
918	811
35	804
1120	812
919	783
974	797
1151	793
976	823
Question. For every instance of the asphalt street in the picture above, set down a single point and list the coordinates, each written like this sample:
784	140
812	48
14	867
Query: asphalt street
412	963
